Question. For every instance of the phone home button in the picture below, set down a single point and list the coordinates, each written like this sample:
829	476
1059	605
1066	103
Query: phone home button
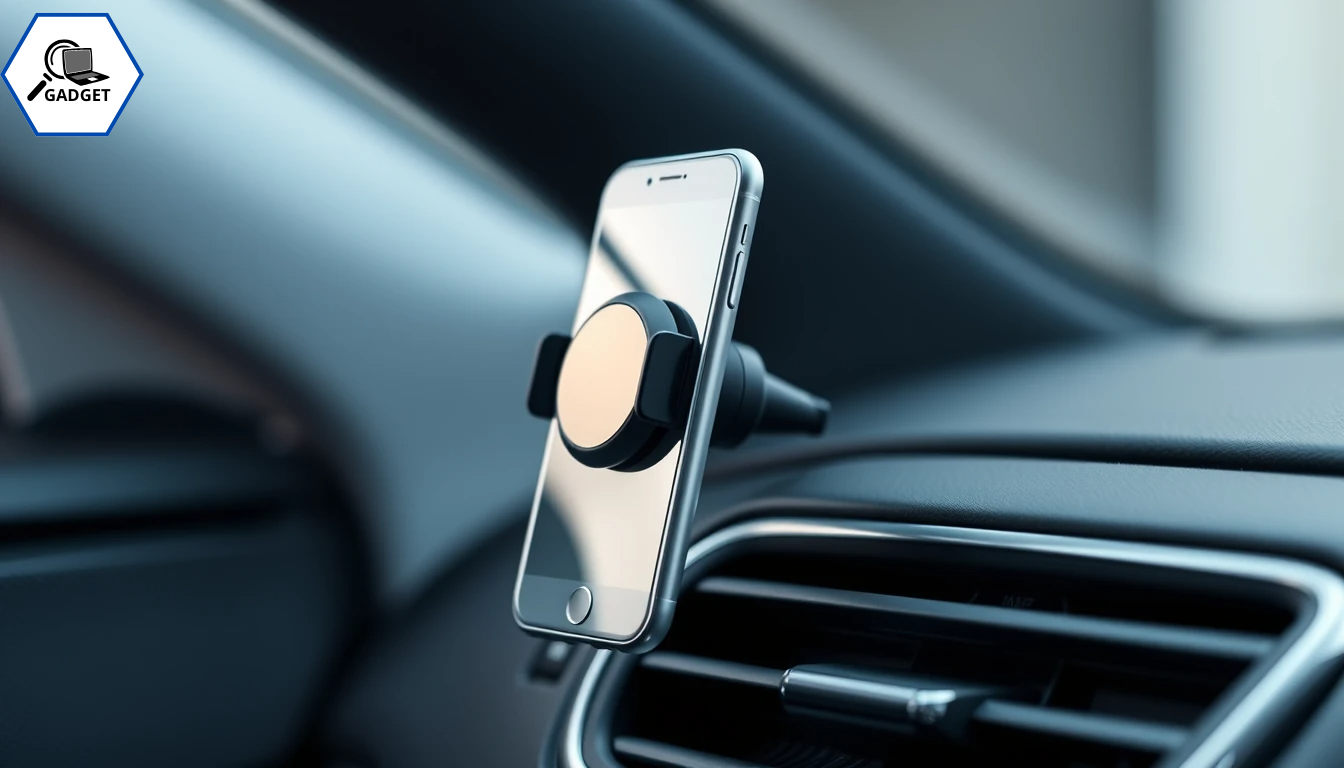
580	603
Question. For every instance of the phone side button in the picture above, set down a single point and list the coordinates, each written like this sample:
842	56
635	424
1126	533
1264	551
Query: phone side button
580	603
739	271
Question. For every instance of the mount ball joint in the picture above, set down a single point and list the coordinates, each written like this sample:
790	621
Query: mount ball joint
621	387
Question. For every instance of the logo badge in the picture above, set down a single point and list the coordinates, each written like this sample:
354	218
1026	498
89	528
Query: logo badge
72	74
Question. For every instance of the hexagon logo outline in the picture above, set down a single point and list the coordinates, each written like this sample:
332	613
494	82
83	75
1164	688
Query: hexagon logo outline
139	74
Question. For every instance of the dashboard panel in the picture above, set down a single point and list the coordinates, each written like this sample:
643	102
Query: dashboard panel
1130	443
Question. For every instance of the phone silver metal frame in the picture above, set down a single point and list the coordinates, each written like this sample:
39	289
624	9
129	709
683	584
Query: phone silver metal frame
685	494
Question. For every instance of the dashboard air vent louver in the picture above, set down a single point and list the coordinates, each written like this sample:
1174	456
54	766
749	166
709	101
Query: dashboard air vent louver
808	644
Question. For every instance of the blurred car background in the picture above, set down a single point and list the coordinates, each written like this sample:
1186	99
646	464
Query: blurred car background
1185	147
1063	268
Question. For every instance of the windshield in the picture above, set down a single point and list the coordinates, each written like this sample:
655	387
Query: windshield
1194	148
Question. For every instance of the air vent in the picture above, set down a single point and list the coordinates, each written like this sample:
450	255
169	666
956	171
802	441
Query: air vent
802	644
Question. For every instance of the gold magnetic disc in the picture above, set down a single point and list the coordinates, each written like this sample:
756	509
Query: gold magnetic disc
599	380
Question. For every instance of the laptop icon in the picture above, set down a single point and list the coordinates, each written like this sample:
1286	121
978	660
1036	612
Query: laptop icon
77	63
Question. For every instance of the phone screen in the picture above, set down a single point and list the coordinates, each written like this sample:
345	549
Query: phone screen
662	229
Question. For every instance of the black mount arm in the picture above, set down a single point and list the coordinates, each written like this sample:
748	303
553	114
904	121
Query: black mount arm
751	400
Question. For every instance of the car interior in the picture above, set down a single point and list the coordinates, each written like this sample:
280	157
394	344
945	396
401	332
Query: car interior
265	352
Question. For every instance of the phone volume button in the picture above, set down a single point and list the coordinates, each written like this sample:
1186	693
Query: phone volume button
739	270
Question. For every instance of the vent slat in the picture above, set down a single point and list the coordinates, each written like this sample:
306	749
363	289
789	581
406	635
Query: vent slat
1108	730
658	753
1119	732
1033	629
713	669
856	654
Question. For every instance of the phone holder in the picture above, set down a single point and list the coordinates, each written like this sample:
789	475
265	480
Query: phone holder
621	387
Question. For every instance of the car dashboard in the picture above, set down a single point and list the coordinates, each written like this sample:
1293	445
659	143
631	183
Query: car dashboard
1091	566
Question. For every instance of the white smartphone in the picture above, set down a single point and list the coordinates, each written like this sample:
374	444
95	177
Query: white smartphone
605	549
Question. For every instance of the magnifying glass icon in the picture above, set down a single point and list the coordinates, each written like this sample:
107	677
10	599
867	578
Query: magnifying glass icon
51	49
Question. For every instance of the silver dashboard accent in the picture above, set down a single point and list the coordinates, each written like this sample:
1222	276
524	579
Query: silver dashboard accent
1298	666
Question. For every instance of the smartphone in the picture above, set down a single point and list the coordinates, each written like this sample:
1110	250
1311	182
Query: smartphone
611	543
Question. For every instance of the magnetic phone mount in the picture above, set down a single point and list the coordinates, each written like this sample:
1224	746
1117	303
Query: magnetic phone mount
621	387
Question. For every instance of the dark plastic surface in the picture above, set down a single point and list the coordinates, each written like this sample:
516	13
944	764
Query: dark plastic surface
741	397
174	591
790	409
1297	515
83	485
1147	638
445	684
1140	736
1235	403
1035	630
1241	405
662	390
546	375
666	754
1255	511
204	648
1199	399
754	401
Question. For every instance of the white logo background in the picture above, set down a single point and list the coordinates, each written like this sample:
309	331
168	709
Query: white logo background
110	57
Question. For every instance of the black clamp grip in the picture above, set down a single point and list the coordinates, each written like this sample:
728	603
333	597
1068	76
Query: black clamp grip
621	388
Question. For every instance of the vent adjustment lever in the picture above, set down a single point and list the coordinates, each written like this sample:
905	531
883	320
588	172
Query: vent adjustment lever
881	697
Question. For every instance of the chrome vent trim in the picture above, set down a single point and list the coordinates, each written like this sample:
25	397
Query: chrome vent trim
1319	644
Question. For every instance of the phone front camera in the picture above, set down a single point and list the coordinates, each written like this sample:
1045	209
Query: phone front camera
647	183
